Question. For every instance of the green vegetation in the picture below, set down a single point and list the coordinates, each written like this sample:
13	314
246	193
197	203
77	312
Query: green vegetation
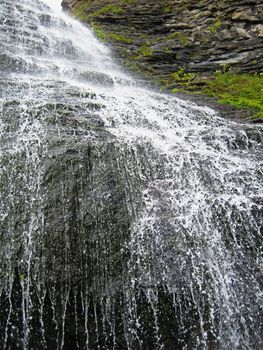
145	50
119	38
182	76
177	36
130	1
109	36
111	9
238	90
167	50
166	9
98	32
80	8
215	27
80	11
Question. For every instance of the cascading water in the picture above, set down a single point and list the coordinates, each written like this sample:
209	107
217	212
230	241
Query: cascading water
129	219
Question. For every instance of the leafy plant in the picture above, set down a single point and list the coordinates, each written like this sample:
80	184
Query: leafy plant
239	90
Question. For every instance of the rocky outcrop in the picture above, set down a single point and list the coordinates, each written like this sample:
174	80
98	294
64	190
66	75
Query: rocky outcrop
164	37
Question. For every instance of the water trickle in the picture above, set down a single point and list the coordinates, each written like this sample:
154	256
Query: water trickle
129	219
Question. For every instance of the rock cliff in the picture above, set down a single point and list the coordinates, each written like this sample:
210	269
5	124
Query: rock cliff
200	36
180	44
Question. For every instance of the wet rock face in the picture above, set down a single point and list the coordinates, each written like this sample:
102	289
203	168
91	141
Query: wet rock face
129	219
162	37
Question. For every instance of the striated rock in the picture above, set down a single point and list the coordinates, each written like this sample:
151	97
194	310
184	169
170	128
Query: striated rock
69	4
242	33
259	29
161	37
244	16
225	35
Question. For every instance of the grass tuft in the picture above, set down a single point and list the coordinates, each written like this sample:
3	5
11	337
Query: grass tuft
238	90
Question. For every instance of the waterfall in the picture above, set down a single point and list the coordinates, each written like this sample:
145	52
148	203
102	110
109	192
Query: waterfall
130	219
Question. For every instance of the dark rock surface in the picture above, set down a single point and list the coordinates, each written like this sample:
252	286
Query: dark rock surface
129	219
163	37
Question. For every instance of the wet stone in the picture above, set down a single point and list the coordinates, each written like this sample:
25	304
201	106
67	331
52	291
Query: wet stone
130	219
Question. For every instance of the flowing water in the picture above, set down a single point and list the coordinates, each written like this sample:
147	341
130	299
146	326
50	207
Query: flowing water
129	219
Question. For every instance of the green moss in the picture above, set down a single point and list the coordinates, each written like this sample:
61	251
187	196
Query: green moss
79	10
130	1
132	65
167	50
215	27
145	50
166	9
183	39
238	90
108	9
104	36
182	77
175	90
119	38
98	32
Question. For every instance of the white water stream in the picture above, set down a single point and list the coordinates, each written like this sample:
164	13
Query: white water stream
130	219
